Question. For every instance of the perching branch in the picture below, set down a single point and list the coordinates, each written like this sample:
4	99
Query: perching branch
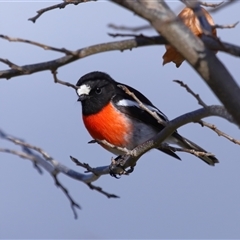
194	116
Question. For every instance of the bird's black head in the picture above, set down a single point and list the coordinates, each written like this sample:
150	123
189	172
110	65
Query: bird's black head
95	90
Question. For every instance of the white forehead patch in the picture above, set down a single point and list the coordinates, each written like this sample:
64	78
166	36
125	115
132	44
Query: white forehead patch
84	89
132	103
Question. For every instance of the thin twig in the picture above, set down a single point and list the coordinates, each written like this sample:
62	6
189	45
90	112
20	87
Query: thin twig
213	5
55	166
106	143
34	160
72	202
219	132
141	105
203	123
44	46
56	80
60	6
100	190
192	151
223	5
27	145
182	84
131	29
19	154
114	35
226	26
137	36
92	170
84	165
12	65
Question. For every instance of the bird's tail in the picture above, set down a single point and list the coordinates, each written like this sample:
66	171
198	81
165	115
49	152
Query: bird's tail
185	143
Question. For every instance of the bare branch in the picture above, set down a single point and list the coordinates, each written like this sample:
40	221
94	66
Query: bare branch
200	101
56	80
106	143
41	45
191	151
131	29
19	154
53	167
141	105
217	45
99	189
27	145
219	132
138	41
226	26
81	53
224	5
35	160
12	65
84	165
60	6
203	123
72	202
213	5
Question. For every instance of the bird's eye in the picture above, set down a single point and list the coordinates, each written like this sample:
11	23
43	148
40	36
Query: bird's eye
98	90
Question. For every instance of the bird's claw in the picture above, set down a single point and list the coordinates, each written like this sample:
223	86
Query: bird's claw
116	163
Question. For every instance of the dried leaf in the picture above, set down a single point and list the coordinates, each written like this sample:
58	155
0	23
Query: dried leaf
191	21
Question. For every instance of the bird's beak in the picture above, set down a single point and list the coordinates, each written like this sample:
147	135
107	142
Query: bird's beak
82	97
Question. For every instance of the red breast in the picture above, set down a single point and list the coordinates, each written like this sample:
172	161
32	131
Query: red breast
108	124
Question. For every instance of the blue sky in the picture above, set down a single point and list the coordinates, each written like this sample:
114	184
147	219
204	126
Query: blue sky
162	198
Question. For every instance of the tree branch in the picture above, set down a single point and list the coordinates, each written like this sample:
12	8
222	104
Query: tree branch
78	54
53	167
223	5
60	6
201	122
71	56
41	45
131	159
219	132
131	29
192	49
189	90
213	5
191	151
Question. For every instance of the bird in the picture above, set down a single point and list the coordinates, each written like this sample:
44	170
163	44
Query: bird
110	114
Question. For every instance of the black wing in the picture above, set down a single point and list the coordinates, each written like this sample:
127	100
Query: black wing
126	104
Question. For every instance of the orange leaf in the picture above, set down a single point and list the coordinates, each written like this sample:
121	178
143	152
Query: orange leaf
191	21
